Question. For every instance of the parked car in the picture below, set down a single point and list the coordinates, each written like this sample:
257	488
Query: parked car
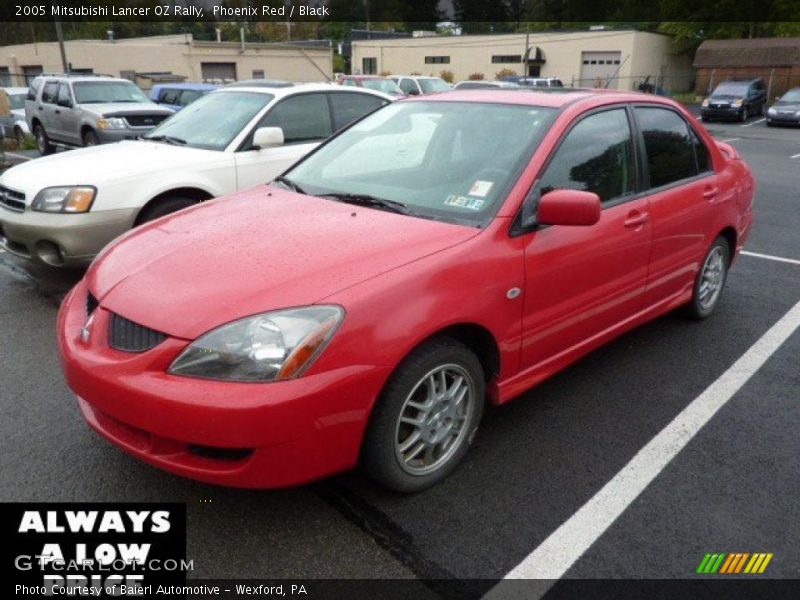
482	84
735	99
61	210
178	95
417	85
372	82
13	125
786	110
365	306
538	82
86	110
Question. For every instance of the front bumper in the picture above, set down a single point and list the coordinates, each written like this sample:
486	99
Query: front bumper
789	118
721	113
236	434
61	240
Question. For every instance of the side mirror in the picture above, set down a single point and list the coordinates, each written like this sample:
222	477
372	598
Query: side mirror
267	137
568	207
65	102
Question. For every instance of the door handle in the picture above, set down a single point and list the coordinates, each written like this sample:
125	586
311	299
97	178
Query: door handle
710	192
58	112
41	108
636	218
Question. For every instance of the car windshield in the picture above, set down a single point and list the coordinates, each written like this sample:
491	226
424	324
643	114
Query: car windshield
432	85
17	101
730	89
450	161
387	86
790	96
95	92
212	121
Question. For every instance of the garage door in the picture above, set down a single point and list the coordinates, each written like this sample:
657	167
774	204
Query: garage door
218	71
600	68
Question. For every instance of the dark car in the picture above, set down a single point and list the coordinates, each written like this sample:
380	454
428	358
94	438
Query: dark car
735	99
786	111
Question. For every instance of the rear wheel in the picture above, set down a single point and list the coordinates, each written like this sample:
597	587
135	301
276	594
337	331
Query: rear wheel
42	141
426	418
164	207
710	280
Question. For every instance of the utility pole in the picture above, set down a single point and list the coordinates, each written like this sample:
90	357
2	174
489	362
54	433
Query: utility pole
60	36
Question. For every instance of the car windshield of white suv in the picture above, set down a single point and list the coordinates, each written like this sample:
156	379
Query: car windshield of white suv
449	161
387	86
97	92
212	121
433	85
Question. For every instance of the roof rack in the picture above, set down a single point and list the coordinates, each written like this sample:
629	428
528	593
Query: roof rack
76	74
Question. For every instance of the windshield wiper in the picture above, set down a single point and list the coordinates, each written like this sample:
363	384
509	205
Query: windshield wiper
170	139
367	200
289	184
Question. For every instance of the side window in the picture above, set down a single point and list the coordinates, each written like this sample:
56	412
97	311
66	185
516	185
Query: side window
33	90
188	96
303	118
347	107
169	96
596	156
49	93
408	86
701	153
63	93
670	151
350	82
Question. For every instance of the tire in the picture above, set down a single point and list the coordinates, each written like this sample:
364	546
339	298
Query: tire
19	135
42	141
446	426
164	207
89	138
744	116
713	273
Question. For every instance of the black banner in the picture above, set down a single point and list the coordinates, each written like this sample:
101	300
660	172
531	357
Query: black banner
93	549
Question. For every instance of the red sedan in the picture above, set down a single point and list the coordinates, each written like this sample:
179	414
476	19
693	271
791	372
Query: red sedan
442	252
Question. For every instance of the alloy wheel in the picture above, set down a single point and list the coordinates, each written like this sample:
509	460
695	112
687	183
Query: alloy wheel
712	278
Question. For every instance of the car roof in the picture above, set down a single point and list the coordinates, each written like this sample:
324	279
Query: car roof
187	86
80	78
551	98
300	88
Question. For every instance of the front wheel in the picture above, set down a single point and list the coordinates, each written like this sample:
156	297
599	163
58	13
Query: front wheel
744	116
164	206
426	418
710	280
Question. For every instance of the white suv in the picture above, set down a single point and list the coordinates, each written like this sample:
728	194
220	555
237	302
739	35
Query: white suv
62	209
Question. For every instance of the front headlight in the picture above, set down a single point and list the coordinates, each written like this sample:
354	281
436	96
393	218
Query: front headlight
111	123
772	112
705	102
65	199
737	103
271	346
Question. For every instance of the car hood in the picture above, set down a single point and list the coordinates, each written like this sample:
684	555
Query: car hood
97	165
255	251
126	108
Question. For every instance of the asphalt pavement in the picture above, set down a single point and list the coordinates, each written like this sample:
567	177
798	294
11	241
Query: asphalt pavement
733	487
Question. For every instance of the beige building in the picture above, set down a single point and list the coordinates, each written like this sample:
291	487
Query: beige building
149	59
619	59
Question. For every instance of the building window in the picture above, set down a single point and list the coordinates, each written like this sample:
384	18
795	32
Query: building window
30	72
128	74
506	58
369	66
258	73
437	60
5	77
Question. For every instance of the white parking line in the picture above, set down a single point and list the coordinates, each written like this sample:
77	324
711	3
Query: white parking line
22	156
729	140
791	261
555	555
754	122
795	155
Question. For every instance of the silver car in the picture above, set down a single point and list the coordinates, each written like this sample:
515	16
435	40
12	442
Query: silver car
86	110
13	125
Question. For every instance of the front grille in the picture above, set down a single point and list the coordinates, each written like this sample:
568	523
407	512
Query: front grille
144	120
12	200
91	303
220	453
128	336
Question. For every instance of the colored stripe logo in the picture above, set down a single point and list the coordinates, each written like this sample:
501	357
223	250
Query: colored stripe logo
733	563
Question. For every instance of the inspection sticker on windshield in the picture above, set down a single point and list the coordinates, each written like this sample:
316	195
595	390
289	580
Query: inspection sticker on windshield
480	188
464	202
